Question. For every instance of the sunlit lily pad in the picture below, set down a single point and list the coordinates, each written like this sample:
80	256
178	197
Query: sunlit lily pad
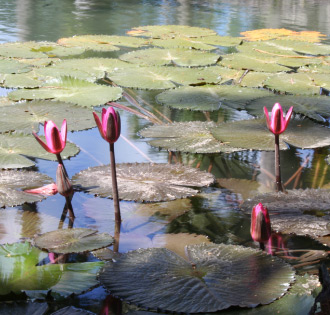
217	277
182	42
317	107
144	181
18	224
13	182
255	79
170	31
20	80
163	57
209	98
73	241
71	90
102	42
192	137
20	272
29	115
8	66
163	77
14	148
253	134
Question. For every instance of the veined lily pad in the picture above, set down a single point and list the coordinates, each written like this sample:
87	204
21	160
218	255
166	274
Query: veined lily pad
179	57
29	115
317	107
255	79
209	98
71	90
8	66
18	308
253	134
73	241
20	272
144	181
163	77
13	146
71	310
171	31
13	182
217	277
192	137
182	42
102	42
20	80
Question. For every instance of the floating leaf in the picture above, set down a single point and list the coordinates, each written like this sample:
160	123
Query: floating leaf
192	137
170	31
71	90
29	115
13	182
162	57
253	134
71	310
144	181
21	80
73	241
182	42
8	66
255	79
209	98
316	107
102	42
13	146
19	308
217	277
163	77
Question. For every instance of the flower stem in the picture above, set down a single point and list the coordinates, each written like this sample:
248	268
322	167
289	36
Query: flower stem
114	183
278	164
60	161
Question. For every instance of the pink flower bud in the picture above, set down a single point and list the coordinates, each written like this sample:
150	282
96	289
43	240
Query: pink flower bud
260	224
63	183
277	124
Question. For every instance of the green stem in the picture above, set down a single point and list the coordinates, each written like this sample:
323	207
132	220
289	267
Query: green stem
114	183
60	161
278	164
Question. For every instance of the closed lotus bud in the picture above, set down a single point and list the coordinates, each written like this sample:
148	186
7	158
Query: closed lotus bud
260	224
63	183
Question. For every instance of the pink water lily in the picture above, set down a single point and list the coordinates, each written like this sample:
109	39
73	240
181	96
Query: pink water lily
260	224
110	126
278	124
55	140
48	190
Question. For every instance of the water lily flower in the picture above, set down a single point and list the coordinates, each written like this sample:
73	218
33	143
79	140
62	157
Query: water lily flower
55	139
110	126
260	225
63	183
277	124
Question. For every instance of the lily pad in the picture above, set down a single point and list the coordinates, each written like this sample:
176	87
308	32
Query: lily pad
8	66
71	90
178	57
73	241
255	79
13	182
18	308
209	98
163	77
253	134
71	310
217	277
20	272
144	181
182	42
316	107
20	80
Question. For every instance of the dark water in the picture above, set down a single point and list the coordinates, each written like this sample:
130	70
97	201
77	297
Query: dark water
215	213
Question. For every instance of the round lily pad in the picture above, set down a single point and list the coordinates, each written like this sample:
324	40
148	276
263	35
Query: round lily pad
18	308
144	181
215	278
73	241
20	80
71	310
8	66
13	182
192	137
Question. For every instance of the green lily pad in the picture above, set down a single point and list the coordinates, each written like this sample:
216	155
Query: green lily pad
29	115
71	90
209	98
13	146
20	272
182	42
37	50
217	277
163	57
71	310
163	77
316	107
255	79
20	80
73	241
18	308
8	66
18	224
13	182
253	134
192	137
102	42
170	31
5	101
144	181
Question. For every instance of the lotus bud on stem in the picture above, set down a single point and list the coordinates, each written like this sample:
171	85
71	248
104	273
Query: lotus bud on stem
109	129
260	229
277	125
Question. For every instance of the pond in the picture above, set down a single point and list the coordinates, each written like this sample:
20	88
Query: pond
217	213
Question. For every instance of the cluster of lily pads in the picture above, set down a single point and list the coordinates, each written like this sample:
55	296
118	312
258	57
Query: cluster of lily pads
187	68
